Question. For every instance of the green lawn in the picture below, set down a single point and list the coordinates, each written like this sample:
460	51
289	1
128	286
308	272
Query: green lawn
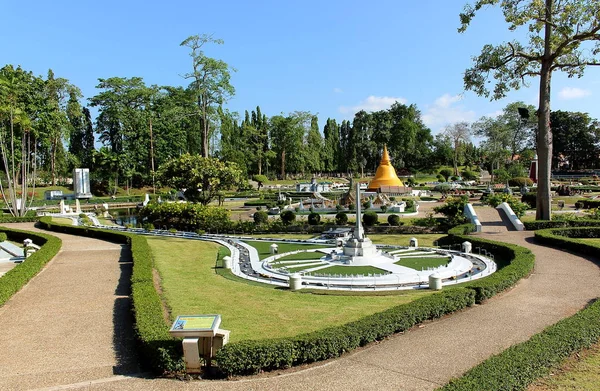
579	372
302	256
425	240
264	248
351	270
191	286
422	263
62	220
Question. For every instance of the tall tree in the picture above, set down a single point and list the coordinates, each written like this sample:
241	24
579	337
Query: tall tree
287	134
563	36
209	83
576	139
459	135
314	147
331	146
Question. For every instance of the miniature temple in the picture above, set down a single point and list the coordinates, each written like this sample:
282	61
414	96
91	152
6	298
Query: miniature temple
386	180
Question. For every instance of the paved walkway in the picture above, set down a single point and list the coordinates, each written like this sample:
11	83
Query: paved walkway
421	359
71	322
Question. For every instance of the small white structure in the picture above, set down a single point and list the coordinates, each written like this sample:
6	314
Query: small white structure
274	248
53	195
467	247
435	282
227	262
81	183
397	208
313	186
413	242
295	282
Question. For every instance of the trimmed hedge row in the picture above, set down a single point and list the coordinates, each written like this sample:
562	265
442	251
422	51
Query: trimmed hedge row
251	357
514	262
544	224
522	364
17	277
589	204
567	239
162	352
12	219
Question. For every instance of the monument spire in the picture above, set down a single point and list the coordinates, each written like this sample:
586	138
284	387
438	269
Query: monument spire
359	232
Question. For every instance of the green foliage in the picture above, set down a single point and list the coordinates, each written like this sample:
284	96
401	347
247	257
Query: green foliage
520	182
287	217
257	203
162	353
186	216
314	219
394	220
251	357
497	198
589	204
544	224
571	238
202	177
520	365
341	218
2	236
383	208
17	277
261	179
261	217
446	173
469	175
370	219
530	199
453	209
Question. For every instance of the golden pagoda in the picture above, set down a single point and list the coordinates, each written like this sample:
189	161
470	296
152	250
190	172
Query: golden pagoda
385	175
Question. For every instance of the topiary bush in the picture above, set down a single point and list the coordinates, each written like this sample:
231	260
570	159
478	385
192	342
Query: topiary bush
261	217
394	220
314	219
370	219
520	181
341	218
287	217
530	199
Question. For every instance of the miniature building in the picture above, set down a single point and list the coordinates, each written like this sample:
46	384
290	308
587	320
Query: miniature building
385	175
313	186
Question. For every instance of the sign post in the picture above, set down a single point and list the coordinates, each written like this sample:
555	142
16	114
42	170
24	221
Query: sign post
202	338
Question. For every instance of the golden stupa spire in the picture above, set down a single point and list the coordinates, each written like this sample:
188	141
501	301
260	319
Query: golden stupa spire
386	174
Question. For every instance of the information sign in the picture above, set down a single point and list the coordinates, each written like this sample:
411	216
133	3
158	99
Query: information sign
195	325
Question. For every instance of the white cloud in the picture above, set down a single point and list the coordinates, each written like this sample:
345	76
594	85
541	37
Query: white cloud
446	110
338	90
573	93
372	103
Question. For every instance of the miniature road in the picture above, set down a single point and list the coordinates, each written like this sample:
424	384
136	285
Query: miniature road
421	359
72	321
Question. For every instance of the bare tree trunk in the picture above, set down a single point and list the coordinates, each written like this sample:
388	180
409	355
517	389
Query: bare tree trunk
544	136
283	164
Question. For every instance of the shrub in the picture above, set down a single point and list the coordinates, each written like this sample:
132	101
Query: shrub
578	205
520	182
341	218
370	219
544	224
530	199
409	203
2	236
383	208
261	217
287	217
453	209
497	198
446	173
314	219
394	220
469	175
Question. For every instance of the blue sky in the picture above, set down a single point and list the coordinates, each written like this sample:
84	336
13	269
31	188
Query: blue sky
328	57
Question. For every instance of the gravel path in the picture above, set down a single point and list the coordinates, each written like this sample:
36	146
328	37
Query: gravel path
72	321
428	356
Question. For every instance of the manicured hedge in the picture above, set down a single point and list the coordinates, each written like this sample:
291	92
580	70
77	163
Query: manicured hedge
568	239
251	357
162	352
17	277
11	219
514	262
589	204
544	224
522	364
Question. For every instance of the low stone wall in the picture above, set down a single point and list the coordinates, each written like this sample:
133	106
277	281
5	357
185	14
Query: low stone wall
472	216
512	216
